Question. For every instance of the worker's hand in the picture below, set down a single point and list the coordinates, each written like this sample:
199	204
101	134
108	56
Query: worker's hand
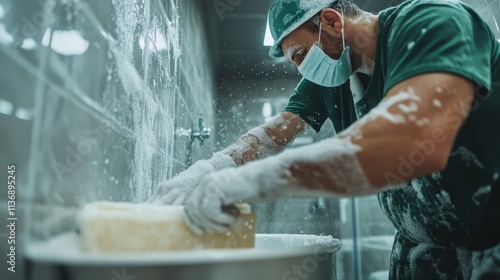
204	211
176	190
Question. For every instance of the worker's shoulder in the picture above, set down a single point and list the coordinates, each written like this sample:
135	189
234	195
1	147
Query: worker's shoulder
436	16
433	8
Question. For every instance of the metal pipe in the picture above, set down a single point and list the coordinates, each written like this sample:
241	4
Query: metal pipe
356	250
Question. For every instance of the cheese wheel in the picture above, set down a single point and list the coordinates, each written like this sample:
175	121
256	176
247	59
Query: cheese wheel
128	227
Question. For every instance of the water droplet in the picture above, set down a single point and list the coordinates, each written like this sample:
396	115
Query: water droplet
411	45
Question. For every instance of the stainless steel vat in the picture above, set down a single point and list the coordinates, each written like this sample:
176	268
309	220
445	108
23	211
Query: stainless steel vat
275	257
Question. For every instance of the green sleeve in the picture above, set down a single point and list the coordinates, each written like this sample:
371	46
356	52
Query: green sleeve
439	37
307	103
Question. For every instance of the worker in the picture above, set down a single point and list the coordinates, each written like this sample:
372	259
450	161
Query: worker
414	95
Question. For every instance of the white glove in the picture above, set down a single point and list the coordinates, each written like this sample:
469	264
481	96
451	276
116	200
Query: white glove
176	190
204	208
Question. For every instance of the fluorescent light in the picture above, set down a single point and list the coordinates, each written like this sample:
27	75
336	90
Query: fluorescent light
267	110
6	107
65	42
28	44
24	114
268	38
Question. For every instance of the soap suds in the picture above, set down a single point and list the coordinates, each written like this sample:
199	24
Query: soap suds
411	108
411	45
258	140
382	111
467	156
422	121
437	103
293	50
480	194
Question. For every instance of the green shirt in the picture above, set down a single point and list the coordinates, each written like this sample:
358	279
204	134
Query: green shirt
448	209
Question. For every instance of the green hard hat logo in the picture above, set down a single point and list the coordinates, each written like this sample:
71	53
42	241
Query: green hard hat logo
287	15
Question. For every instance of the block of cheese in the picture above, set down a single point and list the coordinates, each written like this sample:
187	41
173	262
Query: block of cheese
128	227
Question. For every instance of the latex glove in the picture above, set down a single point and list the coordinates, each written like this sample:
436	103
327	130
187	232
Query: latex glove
253	182
176	190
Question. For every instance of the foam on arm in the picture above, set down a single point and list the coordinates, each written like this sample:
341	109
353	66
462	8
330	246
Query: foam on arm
266	140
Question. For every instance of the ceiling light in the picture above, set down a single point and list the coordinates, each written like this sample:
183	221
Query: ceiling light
65	42
267	110
6	107
268	38
24	114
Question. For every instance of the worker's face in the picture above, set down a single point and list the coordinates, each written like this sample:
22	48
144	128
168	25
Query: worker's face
299	42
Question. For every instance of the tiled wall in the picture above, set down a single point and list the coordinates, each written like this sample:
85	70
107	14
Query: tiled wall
118	85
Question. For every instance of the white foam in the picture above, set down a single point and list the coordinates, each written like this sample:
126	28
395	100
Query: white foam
258	140
382	109
467	156
411	108
480	193
422	122
294	49
411	45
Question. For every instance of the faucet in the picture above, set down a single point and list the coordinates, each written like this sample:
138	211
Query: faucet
201	134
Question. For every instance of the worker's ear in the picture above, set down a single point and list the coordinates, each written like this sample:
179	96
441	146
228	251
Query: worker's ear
331	20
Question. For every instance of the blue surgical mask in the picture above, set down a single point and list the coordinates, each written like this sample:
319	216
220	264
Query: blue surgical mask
322	70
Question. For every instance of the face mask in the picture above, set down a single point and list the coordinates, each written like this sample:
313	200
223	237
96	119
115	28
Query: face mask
322	70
